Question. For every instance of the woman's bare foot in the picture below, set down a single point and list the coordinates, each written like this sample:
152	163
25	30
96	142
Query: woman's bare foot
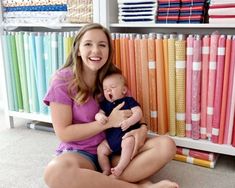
161	184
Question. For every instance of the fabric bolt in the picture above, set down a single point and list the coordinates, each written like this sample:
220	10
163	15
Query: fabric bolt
180	54
233	139
61	7
190	19
221	20
128	65
33	73
196	87
167	19
144	77
132	71
123	55
47	56
131	11
218	89
22	70
221	11
189	62
196	153
204	84
152	82
230	101
60	49
211	81
40	72
54	52
172	86
9	3
8	73
16	72
196	161
117	50
165	57
139	94
161	89
225	88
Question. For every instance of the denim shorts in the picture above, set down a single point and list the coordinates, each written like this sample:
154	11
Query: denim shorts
91	157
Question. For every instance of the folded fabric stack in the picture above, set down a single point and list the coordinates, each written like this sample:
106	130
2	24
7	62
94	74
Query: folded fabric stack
192	11
196	157
168	11
222	11
34	11
137	11
79	11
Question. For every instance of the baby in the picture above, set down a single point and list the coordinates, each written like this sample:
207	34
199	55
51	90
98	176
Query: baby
115	92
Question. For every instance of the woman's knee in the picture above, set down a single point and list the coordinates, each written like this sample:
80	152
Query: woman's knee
168	145
58	169
165	144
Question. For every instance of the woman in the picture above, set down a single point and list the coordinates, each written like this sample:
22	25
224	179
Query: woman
73	98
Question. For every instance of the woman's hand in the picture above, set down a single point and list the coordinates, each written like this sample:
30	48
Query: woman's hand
117	116
140	136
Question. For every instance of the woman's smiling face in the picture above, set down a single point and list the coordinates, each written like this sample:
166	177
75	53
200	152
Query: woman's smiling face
94	49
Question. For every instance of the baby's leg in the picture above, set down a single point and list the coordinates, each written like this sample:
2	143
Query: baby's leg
103	152
125	158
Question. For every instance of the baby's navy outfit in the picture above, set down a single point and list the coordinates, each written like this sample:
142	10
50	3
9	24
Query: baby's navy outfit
114	135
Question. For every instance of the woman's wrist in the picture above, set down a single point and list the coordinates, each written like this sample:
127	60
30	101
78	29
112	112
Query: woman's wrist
107	125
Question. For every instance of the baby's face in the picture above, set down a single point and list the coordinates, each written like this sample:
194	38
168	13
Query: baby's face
114	88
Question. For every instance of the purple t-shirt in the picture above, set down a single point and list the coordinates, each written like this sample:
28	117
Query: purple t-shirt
83	113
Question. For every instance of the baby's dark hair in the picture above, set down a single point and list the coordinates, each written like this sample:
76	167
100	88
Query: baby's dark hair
118	73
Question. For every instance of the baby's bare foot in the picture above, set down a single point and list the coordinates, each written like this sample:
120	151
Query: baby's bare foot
116	171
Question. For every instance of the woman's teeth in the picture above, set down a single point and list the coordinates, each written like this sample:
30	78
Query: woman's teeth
95	58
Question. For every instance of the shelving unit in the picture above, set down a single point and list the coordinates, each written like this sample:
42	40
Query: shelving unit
114	26
105	12
10	115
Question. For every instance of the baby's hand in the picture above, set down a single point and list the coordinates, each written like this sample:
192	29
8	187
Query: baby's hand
101	118
124	125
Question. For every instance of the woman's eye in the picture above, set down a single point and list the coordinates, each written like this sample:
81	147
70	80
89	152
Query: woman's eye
87	44
103	45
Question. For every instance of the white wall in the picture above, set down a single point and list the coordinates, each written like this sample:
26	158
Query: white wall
1	97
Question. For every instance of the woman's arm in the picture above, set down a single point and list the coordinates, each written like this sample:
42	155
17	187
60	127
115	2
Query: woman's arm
133	119
61	115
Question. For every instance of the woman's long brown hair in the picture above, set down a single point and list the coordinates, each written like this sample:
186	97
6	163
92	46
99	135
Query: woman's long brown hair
77	88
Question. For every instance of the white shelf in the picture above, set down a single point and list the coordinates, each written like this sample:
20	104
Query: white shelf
45	25
31	116
203	145
143	25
